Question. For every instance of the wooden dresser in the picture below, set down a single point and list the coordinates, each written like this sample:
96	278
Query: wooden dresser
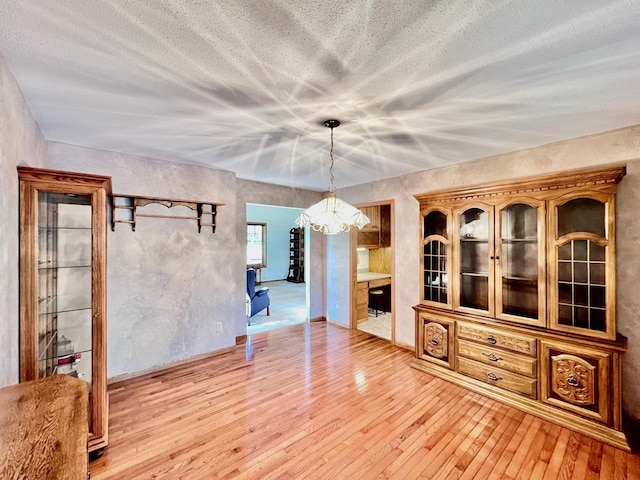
44	429
518	296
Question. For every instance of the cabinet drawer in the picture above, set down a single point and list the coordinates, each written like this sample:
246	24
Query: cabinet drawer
379	283
499	358
498	377
492	337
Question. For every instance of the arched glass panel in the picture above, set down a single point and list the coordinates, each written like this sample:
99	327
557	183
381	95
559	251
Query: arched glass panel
435	223
582	215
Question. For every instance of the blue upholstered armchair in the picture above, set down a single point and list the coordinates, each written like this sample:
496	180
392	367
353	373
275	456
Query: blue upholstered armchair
259	299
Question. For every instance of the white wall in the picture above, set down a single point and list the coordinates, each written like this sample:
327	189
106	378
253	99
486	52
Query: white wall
339	278
610	147
279	220
21	143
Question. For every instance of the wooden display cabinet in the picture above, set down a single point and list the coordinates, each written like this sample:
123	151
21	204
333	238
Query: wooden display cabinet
63	284
524	273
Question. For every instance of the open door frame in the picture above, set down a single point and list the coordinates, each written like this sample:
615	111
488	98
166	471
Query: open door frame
354	269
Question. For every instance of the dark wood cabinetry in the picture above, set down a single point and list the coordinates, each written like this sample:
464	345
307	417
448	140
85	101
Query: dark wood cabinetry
377	233
518	296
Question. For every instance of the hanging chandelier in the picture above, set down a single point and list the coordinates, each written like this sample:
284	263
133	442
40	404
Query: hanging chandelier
332	215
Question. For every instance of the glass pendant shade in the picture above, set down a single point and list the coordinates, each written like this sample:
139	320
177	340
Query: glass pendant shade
331	215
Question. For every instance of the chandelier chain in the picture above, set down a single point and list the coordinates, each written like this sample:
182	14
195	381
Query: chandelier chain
332	188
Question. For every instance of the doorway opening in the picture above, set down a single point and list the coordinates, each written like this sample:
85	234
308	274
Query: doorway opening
372	282
288	300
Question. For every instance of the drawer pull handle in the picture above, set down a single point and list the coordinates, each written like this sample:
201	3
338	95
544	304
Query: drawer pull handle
492	340
492	357
492	376
435	342
572	381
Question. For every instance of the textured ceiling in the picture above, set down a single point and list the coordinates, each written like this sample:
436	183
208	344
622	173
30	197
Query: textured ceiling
245	85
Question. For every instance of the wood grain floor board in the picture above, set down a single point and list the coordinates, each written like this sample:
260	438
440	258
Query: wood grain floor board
321	402
479	460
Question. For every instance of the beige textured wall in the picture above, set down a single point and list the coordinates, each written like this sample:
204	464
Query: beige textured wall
167	285
617	146
21	143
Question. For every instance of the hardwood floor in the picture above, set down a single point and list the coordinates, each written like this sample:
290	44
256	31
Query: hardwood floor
320	402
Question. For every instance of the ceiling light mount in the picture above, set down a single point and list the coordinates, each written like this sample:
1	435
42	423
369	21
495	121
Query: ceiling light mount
332	123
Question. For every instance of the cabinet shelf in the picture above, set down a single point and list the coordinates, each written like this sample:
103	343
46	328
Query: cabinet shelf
61	266
532	280
519	240
129	205
69	310
71	354
58	229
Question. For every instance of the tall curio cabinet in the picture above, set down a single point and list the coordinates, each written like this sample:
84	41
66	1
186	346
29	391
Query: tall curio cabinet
518	296
63	284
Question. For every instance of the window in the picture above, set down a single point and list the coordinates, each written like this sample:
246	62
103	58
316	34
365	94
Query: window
256	245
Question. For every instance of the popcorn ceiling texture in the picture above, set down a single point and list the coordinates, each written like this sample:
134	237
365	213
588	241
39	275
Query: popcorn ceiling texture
245	85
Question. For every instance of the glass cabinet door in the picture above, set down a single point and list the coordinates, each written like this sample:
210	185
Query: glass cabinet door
583	298
520	258
476	259
436	254
64	286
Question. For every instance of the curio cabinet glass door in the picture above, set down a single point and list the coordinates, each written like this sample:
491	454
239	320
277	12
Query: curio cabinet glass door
582	264
436	257
475	259
63	283
520	262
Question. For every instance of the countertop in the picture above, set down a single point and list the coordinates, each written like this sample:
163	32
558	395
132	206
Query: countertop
368	276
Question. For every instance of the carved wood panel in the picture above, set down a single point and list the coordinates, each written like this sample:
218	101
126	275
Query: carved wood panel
436	340
573	379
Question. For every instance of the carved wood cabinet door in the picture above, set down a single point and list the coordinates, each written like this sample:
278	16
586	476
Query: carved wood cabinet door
436	340
576	379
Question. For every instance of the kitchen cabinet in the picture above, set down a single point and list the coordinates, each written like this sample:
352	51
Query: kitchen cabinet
63	284
366	282
377	233
519	284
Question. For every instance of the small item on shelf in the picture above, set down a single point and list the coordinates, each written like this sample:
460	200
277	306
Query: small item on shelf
65	347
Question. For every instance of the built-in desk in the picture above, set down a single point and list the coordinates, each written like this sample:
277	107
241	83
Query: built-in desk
366	281
369	276
44	429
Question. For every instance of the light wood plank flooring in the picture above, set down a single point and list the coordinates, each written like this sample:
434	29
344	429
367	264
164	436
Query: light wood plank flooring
320	402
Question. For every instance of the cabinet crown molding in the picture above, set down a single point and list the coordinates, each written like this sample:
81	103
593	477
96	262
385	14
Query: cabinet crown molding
590	177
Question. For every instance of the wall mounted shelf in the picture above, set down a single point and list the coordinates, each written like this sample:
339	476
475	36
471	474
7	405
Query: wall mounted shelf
130	204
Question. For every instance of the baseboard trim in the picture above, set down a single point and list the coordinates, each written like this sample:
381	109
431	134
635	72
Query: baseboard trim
241	339
317	319
338	324
128	376
406	346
